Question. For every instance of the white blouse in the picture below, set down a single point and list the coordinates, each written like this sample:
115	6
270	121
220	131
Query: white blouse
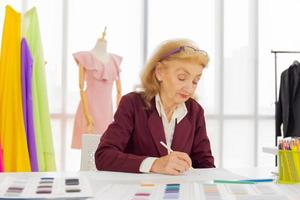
169	127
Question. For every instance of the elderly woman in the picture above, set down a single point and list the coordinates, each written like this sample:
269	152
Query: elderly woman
164	112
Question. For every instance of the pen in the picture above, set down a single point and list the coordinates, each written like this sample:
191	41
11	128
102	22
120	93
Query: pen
164	145
170	150
234	182
260	180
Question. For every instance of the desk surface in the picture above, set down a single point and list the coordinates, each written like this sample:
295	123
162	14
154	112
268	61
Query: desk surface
100	180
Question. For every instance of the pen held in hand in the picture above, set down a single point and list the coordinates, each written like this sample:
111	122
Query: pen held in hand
170	150
164	145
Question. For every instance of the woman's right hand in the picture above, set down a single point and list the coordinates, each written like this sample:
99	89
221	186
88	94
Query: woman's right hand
174	163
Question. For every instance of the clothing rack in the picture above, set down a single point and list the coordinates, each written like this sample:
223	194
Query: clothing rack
275	57
275	53
275	62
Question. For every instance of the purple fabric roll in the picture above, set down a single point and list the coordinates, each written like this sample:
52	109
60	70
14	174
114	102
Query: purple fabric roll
26	63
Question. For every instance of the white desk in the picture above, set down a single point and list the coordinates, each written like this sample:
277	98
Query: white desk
99	181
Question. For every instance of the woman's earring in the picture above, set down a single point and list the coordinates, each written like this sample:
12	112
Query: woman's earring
158	80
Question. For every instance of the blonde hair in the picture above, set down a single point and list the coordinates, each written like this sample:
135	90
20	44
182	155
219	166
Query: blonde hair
150	84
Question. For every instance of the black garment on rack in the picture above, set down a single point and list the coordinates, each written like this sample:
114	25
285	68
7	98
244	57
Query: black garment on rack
288	104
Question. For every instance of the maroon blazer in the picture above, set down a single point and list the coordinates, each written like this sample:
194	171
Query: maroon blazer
136	132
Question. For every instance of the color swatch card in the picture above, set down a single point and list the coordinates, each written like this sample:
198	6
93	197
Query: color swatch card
147	191
210	192
261	191
44	187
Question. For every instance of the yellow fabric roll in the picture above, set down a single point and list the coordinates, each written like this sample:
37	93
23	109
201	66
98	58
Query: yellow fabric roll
13	136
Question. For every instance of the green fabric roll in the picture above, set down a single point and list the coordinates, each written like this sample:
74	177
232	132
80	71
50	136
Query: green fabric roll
42	126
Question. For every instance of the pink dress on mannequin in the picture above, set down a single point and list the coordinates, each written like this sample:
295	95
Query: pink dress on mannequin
99	78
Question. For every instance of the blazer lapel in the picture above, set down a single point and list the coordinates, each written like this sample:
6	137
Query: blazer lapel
182	134
157	131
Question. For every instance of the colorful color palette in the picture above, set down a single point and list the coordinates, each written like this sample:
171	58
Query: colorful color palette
16	188
33	186
72	185
172	191
45	185
144	192
211	191
148	191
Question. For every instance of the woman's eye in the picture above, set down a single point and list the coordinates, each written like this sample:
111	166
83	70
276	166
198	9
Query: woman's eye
195	82
181	77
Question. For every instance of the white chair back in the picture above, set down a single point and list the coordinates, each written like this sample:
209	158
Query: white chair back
89	145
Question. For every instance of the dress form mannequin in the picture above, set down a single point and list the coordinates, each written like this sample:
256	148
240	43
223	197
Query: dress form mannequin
100	55
100	50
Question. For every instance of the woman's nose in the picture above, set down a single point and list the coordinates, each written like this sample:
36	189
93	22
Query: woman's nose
190	88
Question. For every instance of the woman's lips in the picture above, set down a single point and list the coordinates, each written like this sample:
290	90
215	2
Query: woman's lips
184	96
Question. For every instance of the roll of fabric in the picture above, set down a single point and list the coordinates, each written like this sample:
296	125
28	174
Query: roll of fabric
13	136
26	64
41	116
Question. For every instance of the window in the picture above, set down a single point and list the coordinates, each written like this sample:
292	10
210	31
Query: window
236	89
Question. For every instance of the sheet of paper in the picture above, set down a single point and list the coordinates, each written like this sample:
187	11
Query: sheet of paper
293	191
208	192
263	191
211	174
201	175
147	190
41	187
